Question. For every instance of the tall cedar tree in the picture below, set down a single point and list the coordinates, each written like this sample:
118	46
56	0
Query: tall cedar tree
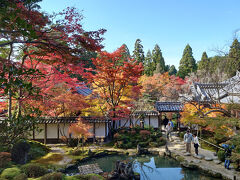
114	83
148	64
187	63
158	60
204	63
233	63
138	53
172	70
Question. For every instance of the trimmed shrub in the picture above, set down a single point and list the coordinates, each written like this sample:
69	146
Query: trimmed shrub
20	177
53	176
34	170
37	149
10	173
220	155
5	159
20	152
145	132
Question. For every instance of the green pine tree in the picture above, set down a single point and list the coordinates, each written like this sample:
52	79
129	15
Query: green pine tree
233	58
172	70
187	63
203	64
126	55
234	51
138	53
158	60
148	64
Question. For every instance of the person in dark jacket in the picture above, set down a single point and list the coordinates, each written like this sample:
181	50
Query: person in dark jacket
227	154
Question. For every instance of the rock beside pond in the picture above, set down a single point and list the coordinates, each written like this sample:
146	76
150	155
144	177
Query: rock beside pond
186	164
196	161
208	158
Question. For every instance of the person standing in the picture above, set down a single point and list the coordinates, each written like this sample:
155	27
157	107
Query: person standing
227	154
196	143
169	130
188	138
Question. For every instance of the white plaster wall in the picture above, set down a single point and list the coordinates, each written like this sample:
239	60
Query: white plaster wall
134	120
41	134
146	121
91	130
52	131
63	130
100	130
154	121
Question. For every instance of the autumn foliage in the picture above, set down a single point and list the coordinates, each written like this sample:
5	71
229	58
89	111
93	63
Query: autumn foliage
214	122
115	82
80	129
163	86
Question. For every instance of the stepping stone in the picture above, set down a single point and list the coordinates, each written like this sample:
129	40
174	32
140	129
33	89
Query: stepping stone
216	161
215	158
183	151
196	161
208	158
198	156
187	154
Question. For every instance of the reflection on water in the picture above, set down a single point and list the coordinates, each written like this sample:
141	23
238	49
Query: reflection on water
152	167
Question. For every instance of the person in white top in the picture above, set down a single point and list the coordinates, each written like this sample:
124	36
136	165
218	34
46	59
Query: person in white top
169	130
196	143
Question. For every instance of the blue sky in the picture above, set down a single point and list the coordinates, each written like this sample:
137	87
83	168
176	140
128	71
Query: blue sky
204	24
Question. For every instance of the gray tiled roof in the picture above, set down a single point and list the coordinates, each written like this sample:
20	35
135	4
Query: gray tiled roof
85	91
169	106
145	113
55	120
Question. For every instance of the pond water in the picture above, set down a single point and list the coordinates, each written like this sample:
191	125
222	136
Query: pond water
150	167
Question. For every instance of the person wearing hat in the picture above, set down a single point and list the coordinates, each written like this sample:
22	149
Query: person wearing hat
188	138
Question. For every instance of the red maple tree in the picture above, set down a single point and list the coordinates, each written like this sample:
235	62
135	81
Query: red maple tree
115	82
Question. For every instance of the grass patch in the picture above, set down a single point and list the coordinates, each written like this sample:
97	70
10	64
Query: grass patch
50	158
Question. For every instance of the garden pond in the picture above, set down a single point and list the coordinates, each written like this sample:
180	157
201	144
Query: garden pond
151	167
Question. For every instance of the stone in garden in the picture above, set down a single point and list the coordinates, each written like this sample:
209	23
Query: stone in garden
187	154
198	156
208	158
196	161
216	161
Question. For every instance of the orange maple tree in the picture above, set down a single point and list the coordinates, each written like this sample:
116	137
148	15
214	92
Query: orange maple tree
80	130
162	86
115	82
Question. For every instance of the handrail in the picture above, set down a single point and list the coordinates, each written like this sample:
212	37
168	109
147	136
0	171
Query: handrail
212	144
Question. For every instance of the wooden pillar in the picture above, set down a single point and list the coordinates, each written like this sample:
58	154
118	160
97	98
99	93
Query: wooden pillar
94	132
33	132
149	120
178	121
160	121
58	131
106	124
45	133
